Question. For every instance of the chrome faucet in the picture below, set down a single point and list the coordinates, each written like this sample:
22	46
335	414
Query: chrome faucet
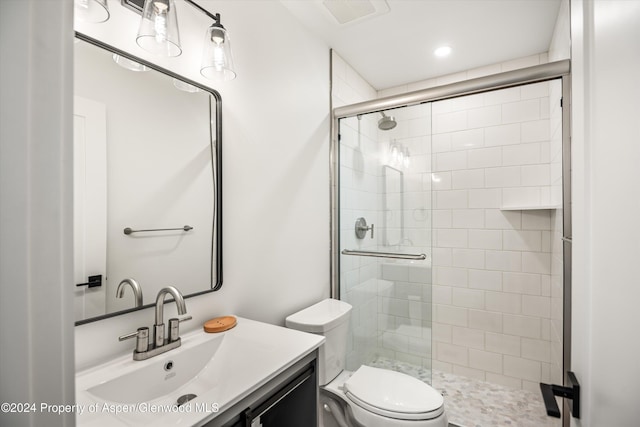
135	286
145	349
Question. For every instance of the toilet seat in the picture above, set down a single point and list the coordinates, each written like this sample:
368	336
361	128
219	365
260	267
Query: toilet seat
393	394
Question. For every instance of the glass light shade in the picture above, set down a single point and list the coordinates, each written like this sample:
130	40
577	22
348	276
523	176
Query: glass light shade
129	64
407	158
94	11
393	152
158	32
217	60
184	86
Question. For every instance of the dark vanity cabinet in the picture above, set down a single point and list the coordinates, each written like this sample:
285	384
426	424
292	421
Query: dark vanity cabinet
288	400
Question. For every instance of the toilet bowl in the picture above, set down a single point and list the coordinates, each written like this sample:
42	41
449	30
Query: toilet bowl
369	397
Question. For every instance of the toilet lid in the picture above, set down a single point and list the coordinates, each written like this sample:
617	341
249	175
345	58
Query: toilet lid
393	394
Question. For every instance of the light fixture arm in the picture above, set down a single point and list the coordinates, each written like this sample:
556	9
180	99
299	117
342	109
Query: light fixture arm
215	17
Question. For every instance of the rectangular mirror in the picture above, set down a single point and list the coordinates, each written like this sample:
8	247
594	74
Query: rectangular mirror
147	190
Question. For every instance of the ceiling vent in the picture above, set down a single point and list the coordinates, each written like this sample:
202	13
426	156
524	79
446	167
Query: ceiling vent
348	11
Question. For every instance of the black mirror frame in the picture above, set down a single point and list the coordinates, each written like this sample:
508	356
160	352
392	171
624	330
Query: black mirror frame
216	152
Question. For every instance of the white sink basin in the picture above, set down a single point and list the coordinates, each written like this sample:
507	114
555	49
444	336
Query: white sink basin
163	375
220	369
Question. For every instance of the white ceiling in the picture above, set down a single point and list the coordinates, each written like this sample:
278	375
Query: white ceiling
396	47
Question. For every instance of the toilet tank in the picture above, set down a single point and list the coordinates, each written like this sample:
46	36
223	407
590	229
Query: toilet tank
330	318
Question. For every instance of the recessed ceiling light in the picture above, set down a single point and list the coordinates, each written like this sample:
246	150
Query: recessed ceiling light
442	51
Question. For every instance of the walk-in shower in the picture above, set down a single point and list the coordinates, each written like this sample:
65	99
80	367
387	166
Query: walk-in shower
448	238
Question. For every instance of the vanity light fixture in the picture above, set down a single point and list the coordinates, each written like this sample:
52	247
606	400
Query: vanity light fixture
399	155
158	33
217	60
91	10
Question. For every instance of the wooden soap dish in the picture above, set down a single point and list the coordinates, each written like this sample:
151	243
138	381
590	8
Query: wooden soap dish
220	324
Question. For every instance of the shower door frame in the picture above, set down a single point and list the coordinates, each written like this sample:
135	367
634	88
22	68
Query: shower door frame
538	73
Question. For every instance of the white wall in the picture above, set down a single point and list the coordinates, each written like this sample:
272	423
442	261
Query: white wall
275	176
275	164
606	206
36	306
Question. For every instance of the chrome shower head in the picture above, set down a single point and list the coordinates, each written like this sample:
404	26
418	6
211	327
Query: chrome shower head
386	122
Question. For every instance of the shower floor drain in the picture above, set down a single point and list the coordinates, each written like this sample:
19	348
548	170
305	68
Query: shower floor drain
185	398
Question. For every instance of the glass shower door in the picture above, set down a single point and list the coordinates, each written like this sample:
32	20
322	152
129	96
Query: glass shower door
459	207
385	238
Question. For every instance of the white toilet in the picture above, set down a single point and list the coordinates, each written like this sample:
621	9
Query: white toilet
369	397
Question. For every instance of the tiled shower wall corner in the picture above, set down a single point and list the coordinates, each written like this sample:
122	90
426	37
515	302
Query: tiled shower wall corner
358	198
358	186
492	267
347	86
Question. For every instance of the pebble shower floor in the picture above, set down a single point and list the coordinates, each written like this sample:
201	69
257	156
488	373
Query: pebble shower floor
474	403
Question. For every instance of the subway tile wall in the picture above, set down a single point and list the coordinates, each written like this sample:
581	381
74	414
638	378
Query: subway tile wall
492	150
492	268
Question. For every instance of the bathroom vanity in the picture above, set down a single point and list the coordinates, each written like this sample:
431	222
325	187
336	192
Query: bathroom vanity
253	374
289	400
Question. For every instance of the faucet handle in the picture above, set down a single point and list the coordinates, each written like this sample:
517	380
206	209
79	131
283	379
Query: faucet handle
142	341
174	327
128	336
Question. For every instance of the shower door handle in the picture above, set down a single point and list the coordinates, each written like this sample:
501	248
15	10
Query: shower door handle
362	228
571	392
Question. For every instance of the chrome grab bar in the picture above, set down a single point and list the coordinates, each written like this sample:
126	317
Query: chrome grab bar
128	230
394	255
